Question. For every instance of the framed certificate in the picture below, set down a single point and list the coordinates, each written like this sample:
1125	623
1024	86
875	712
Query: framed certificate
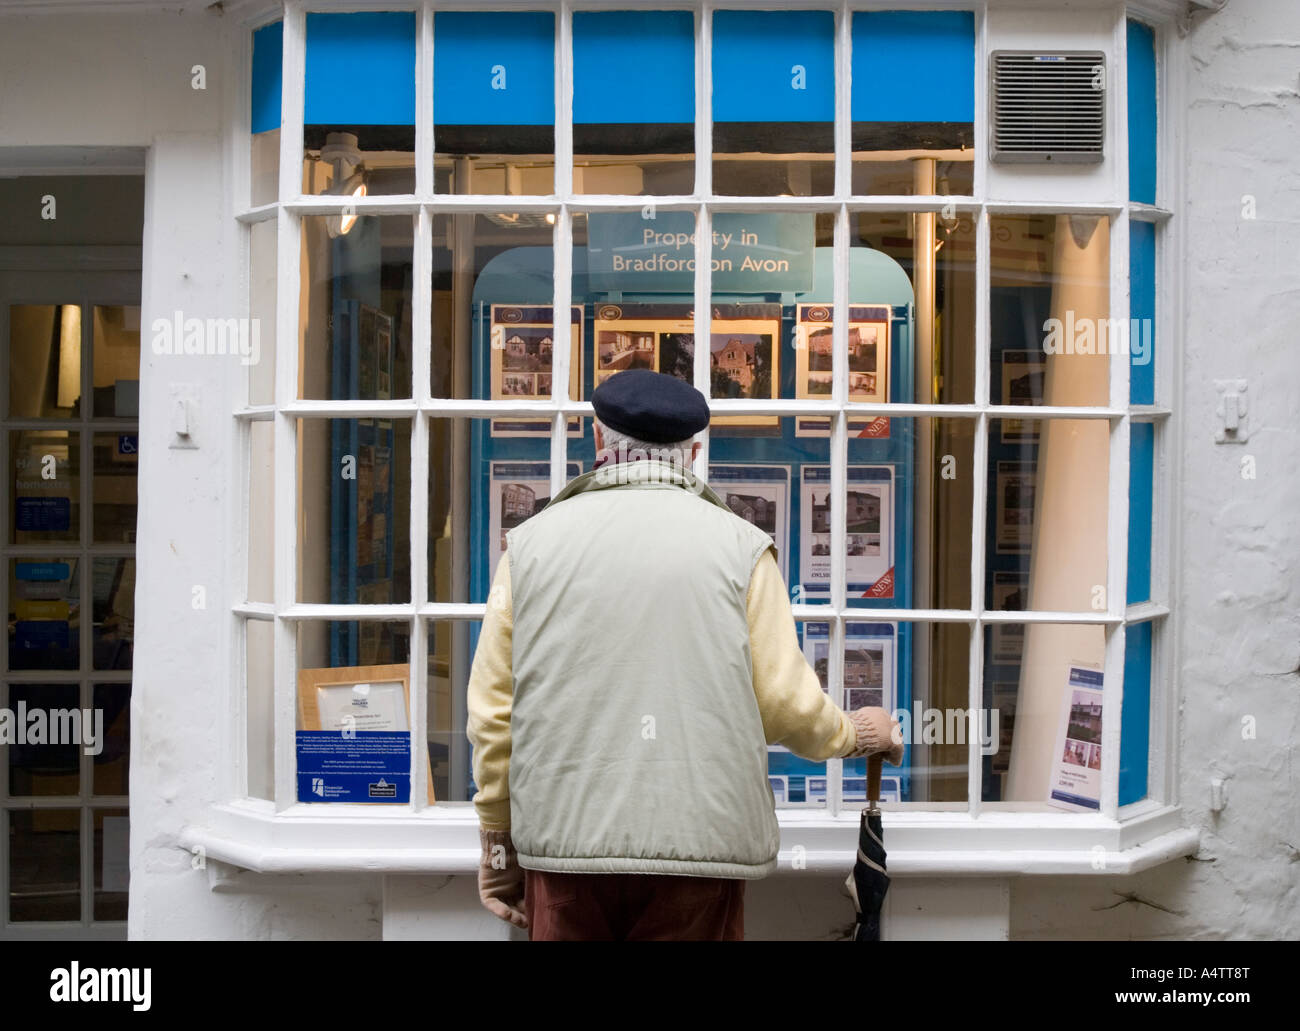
360	699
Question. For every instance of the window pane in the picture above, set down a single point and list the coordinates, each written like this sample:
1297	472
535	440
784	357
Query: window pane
354	510
492	318
1142	113
261	511
1142	312
116	459
494	102
113	761
116	351
1141	484
264	116
774	103
796	782
44	361
45	490
1047	515
913	102
634	132
1135	726
260	706
44	606
112	863
113	612
359	106
451	653
262	280
353	740
924	259
356	296
1044	682
44	865
40	765
1049	305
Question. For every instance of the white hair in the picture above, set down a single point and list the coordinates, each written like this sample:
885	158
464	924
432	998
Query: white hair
678	452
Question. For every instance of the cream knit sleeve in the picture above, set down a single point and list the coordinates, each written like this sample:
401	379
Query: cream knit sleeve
796	712
489	698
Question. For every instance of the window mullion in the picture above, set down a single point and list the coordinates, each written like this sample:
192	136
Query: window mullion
843	101
424	128
422	334
704	104
975	676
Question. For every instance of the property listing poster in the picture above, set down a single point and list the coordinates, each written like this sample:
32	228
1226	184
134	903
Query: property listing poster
521	338
869	572
759	494
1009	595
1015	508
869	350
869	672
1023	374
1076	767
516	490
743	348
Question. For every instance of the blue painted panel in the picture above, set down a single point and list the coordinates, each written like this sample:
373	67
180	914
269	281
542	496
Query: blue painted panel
268	76
1142	306
1142	113
888	49
754	73
494	68
1140	484
1135	720
633	67
360	69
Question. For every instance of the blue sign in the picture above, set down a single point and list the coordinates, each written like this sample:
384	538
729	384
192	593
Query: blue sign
43	514
631	251
40	634
42	571
128	444
366	766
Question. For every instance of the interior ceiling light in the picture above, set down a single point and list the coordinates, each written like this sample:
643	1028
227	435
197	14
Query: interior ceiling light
344	157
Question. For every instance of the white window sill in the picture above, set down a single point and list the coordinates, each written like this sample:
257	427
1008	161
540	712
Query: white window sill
307	838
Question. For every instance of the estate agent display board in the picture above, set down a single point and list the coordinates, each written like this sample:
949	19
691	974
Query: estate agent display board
770	338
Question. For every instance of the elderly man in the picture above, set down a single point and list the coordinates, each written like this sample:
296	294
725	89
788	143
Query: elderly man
637	656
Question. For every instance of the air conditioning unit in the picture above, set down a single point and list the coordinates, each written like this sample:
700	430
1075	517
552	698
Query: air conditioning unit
1047	106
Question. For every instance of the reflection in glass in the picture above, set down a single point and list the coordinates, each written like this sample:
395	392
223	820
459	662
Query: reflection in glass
114	612
112	863
45	361
354	511
45	490
44	865
38	765
116	351
113	761
116	461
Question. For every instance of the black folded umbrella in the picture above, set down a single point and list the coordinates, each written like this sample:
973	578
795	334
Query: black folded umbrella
869	882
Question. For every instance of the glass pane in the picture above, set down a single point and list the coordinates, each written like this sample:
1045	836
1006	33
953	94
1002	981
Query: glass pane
264	116
1141	487
44	865
262	280
796	782
913	102
1044	683
451	652
354	712
260	707
44	361
113	760
354	511
1046	516
1142	312
1142	112
261	511
774	103
45	490
47	761
356	293
44	607
116	351
634	133
930	358
1135	721
1049	305
359	106
492	328
116	461
113	607
112	863
494	102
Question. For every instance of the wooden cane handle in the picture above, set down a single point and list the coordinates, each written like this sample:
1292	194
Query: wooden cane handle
874	764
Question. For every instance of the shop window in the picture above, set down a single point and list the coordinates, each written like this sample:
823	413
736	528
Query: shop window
868	366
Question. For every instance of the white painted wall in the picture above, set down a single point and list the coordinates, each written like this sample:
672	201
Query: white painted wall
118	81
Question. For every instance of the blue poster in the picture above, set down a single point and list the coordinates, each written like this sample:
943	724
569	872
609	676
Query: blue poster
364	766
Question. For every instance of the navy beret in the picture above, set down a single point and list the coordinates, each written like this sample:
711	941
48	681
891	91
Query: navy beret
650	406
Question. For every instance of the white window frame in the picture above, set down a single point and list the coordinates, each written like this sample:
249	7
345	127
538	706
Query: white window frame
284	835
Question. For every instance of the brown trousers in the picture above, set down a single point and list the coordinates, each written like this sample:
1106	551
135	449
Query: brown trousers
632	907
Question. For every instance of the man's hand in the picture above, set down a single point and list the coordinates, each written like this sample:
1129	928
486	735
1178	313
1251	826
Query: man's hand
877	731
500	878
